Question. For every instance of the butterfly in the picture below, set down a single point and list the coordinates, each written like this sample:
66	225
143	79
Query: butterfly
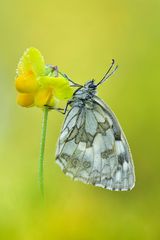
92	147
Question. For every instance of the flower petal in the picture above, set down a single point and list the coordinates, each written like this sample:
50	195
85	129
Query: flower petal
42	97
52	81
52	102
27	83
32	60
25	99
63	93
60	85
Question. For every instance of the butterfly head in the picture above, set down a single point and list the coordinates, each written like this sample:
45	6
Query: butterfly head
87	91
90	85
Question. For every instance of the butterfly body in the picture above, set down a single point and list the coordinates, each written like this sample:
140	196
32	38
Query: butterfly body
92	147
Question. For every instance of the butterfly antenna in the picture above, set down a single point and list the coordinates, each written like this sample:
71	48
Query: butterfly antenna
108	73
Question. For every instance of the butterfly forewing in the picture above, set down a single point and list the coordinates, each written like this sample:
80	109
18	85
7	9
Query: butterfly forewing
93	149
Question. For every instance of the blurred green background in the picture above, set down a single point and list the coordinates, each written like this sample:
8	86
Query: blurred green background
81	37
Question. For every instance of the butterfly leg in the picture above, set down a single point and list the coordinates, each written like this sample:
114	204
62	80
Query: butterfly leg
61	110
70	80
53	69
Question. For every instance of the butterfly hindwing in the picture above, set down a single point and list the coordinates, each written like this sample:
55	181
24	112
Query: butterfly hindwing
122	176
93	149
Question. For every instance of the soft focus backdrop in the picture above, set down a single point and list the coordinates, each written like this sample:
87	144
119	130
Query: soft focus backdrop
81	37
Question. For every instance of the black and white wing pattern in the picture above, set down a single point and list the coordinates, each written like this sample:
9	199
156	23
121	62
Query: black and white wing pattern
93	149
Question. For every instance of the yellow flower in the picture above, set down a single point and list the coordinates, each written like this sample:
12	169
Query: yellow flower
37	84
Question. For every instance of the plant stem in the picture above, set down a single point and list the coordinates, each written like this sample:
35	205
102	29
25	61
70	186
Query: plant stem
42	148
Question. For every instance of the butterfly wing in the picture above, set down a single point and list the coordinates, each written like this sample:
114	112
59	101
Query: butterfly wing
93	149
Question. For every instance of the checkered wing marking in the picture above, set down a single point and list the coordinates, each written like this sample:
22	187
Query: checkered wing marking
93	149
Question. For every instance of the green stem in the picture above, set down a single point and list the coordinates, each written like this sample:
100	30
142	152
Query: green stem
42	148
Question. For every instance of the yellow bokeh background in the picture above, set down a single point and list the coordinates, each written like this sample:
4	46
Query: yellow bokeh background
81	37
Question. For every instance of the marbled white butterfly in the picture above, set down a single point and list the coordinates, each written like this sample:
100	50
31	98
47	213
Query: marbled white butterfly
92	147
